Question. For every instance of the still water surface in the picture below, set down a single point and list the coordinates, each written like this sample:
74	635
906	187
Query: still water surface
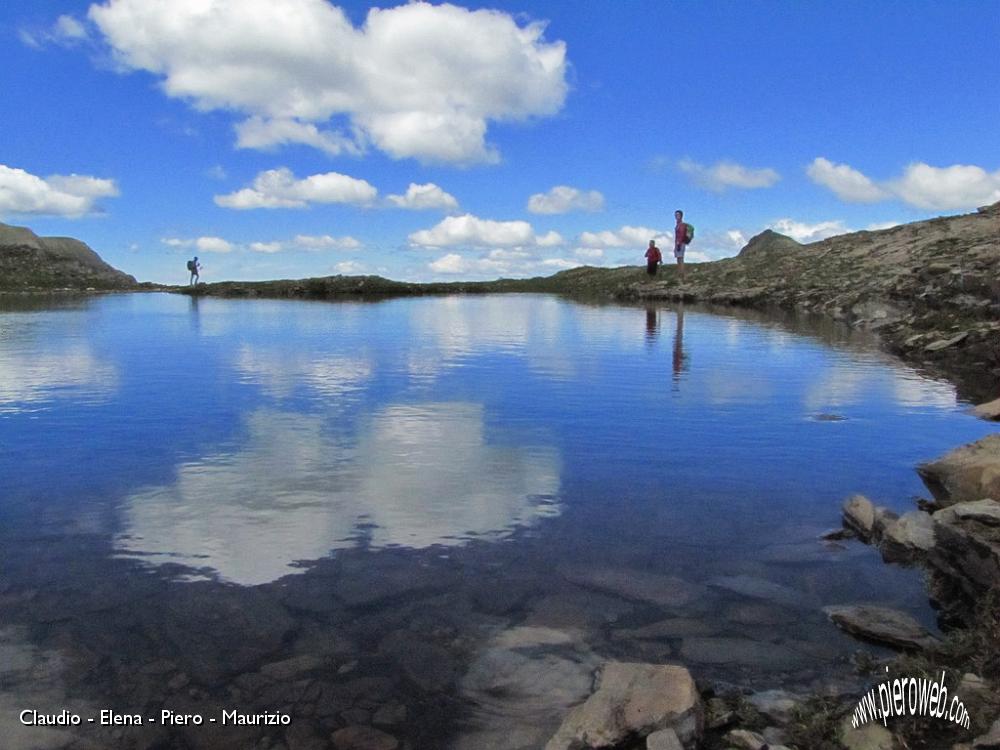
467	497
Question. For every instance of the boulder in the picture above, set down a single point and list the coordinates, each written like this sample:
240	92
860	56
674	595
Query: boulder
967	546
970	472
882	625
990	410
633	700
663	739
883	519
859	515
908	537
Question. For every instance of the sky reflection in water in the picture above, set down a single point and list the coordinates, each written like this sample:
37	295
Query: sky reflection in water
242	437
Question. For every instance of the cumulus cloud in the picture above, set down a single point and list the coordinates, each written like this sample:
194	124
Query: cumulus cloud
803	232
418	80
349	267
421	197
278	188
626	236
921	185
57	195
944	188
266	247
203	244
472	231
265	135
325	241
562	199
726	174
499	263
846	182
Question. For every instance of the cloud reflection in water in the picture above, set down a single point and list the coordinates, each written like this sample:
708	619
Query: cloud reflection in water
415	476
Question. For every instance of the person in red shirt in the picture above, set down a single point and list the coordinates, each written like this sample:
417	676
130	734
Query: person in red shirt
680	241
653	258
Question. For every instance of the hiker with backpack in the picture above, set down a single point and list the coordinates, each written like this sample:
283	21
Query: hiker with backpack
653	258
194	266
683	234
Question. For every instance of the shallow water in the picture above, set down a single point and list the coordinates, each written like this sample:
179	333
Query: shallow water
444	511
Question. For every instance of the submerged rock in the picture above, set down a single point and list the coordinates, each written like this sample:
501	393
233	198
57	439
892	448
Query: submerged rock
968	473
881	624
363	738
633	700
776	705
760	588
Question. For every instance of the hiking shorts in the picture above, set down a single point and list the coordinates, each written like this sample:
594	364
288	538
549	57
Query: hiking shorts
679	251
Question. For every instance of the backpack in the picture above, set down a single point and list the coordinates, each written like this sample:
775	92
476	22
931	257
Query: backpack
688	233
191	265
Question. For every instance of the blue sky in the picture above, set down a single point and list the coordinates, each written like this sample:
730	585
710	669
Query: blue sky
281	138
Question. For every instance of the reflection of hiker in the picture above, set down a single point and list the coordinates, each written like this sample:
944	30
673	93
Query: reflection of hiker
652	324
679	356
683	234
194	266
653	258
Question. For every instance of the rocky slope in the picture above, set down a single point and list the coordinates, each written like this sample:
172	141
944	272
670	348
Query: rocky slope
29	262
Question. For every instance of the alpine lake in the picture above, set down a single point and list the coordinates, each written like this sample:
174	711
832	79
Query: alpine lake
436	516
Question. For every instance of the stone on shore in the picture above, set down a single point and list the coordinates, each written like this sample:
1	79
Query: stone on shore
881	624
633	700
936	346
663	739
990	740
970	472
859	515
967	546
990	410
744	739
908	537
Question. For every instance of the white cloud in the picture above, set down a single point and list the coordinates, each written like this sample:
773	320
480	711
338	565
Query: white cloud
349	267
624	237
802	232
589	253
420	197
418	80
322	242
218	172
472	231
509	263
278	188
203	244
562	199
67	31
266	135
58	195
847	183
878	225
726	174
266	247
936	188
944	188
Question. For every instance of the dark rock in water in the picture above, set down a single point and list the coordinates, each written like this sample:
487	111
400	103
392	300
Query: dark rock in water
829	418
881	624
966	474
30	262
427	664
